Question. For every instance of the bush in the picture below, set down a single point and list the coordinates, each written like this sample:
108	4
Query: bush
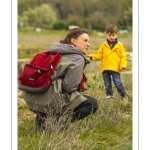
60	25
43	17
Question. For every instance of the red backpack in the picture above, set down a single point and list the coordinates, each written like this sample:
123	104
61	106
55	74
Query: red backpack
35	78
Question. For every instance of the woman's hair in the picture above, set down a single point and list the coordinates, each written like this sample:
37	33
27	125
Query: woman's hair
73	33
111	28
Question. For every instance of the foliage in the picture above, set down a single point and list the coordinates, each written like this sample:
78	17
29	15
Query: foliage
23	5
60	25
42	17
93	14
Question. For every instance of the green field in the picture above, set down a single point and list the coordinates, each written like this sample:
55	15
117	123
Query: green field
110	128
30	42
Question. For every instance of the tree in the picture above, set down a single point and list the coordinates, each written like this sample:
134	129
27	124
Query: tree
93	14
42	16
23	5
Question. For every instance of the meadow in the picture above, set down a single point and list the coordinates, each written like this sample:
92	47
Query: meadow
110	128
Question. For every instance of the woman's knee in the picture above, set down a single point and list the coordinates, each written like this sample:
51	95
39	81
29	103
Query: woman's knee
92	101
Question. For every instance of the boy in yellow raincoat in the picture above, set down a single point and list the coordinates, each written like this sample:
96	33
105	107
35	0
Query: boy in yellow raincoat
113	61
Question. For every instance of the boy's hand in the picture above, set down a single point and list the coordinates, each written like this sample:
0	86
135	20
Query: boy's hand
123	70
89	56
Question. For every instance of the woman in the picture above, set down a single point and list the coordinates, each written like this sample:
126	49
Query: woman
63	95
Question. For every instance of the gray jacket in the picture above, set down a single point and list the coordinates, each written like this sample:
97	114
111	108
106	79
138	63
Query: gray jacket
71	67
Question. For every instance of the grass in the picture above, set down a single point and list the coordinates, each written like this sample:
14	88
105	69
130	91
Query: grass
110	128
30	42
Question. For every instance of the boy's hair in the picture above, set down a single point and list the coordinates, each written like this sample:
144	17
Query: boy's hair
111	28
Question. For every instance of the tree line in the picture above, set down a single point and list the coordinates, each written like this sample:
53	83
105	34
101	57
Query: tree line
59	14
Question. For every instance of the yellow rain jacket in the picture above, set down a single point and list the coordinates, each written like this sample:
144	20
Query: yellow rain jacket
111	59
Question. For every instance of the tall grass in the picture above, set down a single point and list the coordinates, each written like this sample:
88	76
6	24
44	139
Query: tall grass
109	128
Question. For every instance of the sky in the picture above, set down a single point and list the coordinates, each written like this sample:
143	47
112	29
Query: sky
8	75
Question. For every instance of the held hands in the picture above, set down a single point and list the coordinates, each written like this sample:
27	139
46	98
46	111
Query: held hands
123	70
89	56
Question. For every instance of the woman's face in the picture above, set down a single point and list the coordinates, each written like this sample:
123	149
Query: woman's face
82	42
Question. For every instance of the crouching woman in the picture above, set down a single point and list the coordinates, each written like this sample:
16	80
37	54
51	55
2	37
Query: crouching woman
63	94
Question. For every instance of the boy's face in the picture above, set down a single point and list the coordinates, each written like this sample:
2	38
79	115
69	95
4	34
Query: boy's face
111	36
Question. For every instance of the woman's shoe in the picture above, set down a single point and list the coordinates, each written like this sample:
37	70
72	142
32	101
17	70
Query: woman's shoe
39	123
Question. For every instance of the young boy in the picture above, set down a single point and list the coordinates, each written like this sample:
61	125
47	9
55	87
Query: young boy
113	61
